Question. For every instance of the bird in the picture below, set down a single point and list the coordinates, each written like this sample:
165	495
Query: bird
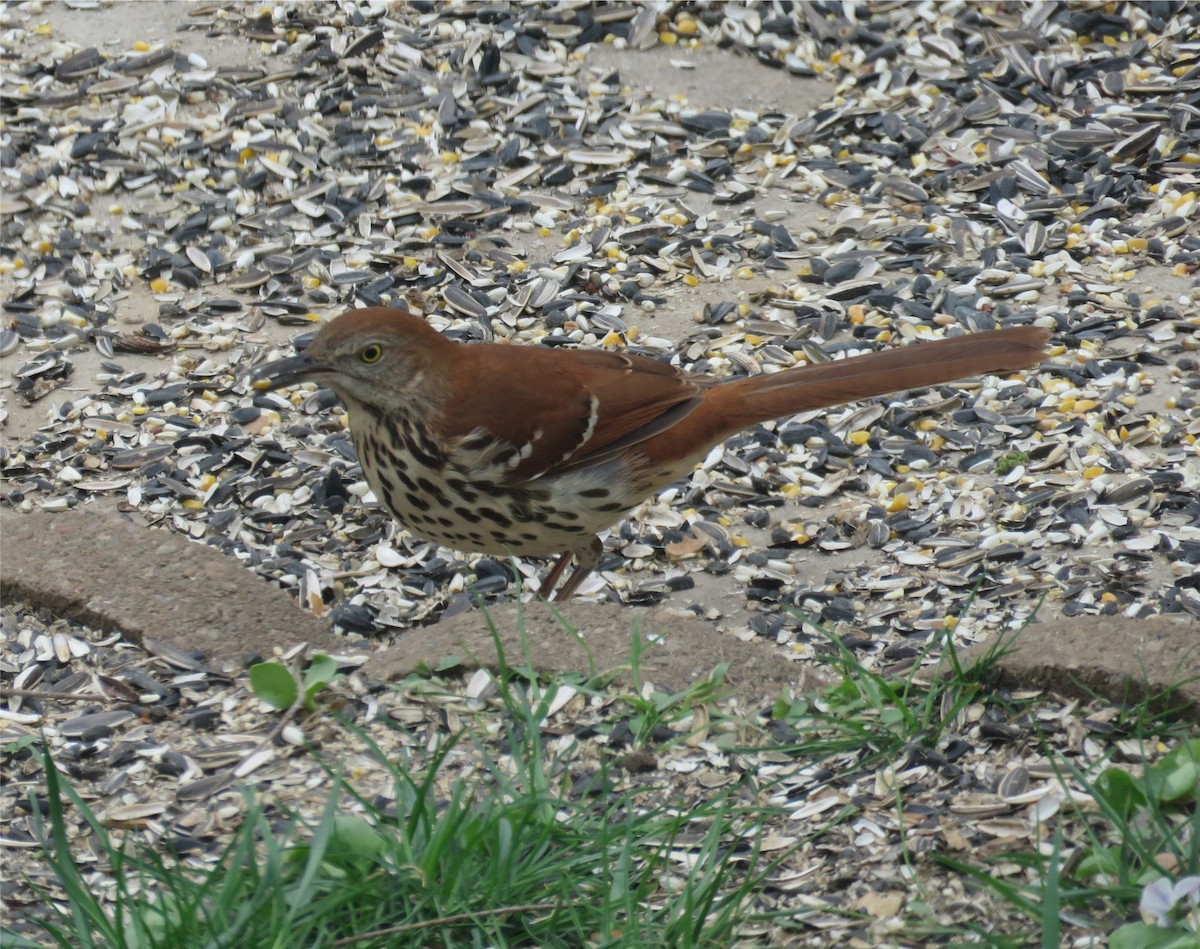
534	451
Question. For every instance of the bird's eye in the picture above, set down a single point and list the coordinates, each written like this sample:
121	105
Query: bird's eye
371	353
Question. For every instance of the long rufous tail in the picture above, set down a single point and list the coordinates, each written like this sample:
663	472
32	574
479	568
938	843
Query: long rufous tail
760	398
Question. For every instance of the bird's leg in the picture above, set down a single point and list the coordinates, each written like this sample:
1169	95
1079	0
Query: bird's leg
586	559
552	578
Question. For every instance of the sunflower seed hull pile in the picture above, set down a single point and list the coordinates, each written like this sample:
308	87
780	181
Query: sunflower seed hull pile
491	167
731	187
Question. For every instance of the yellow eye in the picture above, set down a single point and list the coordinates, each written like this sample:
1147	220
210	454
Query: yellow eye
371	353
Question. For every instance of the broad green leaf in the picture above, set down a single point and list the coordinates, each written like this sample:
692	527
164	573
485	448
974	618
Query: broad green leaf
274	684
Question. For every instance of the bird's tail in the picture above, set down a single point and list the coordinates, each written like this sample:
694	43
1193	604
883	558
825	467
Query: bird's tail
761	398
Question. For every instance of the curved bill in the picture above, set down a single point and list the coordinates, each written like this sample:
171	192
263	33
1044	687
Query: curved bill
282	372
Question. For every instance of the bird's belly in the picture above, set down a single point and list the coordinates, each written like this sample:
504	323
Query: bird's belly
535	519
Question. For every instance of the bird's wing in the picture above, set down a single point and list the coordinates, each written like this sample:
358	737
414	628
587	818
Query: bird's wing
546	411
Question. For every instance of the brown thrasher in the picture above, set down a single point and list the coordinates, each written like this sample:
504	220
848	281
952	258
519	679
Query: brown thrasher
534	451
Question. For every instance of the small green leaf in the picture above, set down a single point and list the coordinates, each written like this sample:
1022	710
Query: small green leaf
892	716
18	745
356	835
320	672
1007	462
1174	780
1145	936
446	663
1099	860
274	684
155	923
1120	791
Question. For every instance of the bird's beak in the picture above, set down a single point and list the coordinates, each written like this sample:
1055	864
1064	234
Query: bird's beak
283	372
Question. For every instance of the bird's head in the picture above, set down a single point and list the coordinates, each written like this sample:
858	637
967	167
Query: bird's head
377	357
